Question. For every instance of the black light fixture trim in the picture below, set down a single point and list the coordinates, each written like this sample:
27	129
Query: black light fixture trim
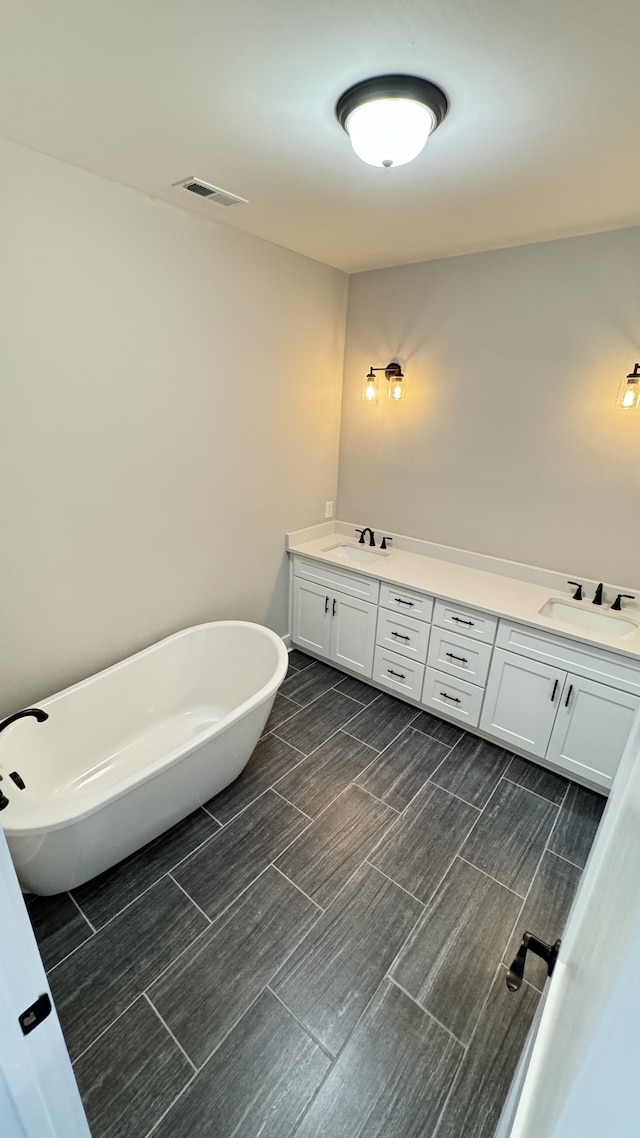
393	87
635	374
391	371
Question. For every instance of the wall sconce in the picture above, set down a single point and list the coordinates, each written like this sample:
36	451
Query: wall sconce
395	378
629	398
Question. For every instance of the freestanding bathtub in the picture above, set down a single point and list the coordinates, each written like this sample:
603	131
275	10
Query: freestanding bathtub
130	751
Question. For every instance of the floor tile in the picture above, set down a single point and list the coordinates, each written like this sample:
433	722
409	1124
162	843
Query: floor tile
104	896
219	872
364	693
104	976
450	960
322	777
403	768
437	728
420	847
545	912
392	1077
271	759
311	726
538	779
330	978
508	840
485	1074
305	686
322	860
207	990
282	709
131	1075
256	1085
57	925
379	723
298	660
473	769
576	828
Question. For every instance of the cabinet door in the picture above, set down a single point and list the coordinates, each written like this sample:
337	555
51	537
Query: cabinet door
312	616
591	729
521	702
353	633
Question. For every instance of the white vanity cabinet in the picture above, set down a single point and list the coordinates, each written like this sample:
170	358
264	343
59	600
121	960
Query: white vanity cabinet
561	714
330	619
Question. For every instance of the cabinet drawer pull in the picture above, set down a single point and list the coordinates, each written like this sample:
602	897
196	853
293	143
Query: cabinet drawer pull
399	636
333	611
566	702
326	605
399	675
555	688
400	601
460	620
453	698
452	656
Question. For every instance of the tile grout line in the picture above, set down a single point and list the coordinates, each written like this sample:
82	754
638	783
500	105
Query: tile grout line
304	1027
398	886
190	898
549	801
290	803
168	1029
104	1030
552	853
376	799
82	913
290	880
520	896
426	1011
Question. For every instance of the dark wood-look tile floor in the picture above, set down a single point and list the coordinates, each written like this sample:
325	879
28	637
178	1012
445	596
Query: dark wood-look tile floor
320	950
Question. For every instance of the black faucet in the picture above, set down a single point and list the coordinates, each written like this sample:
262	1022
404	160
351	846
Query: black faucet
37	713
597	600
372	540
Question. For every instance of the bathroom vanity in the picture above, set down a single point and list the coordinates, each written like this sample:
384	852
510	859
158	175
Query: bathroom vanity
515	660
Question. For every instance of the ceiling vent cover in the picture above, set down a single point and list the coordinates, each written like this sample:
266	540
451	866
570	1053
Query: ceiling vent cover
211	193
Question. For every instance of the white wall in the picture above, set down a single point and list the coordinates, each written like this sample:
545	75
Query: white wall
508	441
170	394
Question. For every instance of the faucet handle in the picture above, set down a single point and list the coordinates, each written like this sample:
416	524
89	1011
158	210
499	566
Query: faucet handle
622	597
577	596
361	532
385	542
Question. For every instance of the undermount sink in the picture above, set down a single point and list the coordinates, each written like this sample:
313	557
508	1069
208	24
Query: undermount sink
355	554
590	619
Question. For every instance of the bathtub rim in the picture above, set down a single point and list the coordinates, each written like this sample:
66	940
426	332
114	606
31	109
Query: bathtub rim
91	804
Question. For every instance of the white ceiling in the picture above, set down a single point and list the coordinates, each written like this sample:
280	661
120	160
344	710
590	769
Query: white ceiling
542	138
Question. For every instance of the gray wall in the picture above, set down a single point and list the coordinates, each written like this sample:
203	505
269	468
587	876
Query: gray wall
170	392
508	441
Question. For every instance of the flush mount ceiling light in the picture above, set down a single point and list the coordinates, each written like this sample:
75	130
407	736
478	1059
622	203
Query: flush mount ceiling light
629	398
390	118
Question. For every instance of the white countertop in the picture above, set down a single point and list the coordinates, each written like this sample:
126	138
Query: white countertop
504	596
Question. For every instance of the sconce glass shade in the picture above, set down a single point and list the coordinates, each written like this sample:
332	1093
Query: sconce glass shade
370	388
629	398
389	118
396	389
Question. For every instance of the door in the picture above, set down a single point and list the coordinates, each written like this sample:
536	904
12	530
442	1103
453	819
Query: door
591	729
38	1093
521	701
312	616
353	633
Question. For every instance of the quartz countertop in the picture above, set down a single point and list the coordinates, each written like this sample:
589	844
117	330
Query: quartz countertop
503	596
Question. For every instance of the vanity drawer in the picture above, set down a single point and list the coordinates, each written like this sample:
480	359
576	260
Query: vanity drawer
455	698
467	659
402	600
366	588
398	673
470	622
403	634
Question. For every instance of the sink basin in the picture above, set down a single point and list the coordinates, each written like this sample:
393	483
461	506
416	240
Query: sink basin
355	554
590	619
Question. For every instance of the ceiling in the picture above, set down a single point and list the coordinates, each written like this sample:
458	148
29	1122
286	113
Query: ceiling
542	138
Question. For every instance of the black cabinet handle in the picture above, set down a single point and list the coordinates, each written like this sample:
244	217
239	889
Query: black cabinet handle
453	698
555	688
400	601
326	605
459	620
452	656
399	636
399	675
333	611
566	702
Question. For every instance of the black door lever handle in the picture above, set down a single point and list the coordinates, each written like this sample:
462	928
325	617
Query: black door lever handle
548	953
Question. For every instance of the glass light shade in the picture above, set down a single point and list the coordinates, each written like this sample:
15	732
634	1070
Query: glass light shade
629	398
389	132
370	388
396	390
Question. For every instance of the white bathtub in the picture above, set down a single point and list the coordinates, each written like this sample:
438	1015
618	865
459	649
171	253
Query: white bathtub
128	752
